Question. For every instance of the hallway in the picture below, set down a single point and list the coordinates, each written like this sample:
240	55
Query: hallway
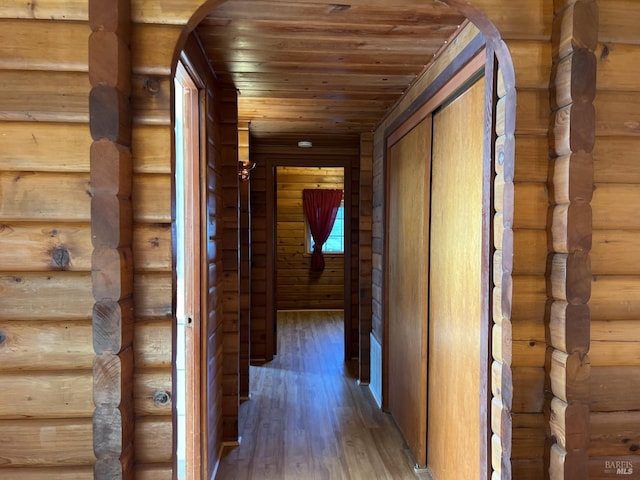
308	418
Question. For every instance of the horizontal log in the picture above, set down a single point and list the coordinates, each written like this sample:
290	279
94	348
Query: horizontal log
46	395
611	353
576	27
152	292
46	10
574	79
617	67
615	388
155	46
146	385
43	45
569	376
532	61
618	114
614	433
563	464
528	331
154	472
614	207
529	252
151	434
573	129
616	331
614	252
570	277
51	296
151	100
614	160
615	298
152	198
571	227
528	436
41	246
152	145
47	442
62	345
569	424
532	112
528	353
112	378
60	96
617	21
529	299
530	205
47	473
152	348
569	327
32	147
603	468
527	468
528	389
572	178
112	325
532	153
45	196
152	247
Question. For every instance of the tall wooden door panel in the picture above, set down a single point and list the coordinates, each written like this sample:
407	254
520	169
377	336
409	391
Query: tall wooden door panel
455	285
407	285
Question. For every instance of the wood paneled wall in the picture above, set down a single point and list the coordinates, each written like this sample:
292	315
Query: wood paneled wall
614	381
297	288
46	300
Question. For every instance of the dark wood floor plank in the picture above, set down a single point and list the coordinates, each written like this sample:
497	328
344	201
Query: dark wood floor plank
308	418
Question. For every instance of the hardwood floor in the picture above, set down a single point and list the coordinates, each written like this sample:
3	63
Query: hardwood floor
308	418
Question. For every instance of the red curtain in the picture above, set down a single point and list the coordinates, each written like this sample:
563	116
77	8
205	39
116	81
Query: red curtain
321	208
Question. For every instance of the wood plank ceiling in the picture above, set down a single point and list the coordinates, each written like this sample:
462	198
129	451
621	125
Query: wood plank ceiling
314	67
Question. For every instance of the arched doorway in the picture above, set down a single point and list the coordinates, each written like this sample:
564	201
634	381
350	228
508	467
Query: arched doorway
501	54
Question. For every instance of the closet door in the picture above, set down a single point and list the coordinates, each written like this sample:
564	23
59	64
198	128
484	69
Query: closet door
457	300
407	284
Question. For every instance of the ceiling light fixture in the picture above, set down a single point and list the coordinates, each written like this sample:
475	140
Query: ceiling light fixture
305	144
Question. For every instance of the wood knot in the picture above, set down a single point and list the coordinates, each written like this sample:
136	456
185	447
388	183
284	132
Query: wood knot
60	257
605	52
152	85
161	398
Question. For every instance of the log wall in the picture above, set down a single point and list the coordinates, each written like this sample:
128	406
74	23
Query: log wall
615	268
46	299
297	288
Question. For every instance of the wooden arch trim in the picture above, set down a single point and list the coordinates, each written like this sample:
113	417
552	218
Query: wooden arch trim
501	150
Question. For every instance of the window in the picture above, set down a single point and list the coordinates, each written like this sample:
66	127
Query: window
335	242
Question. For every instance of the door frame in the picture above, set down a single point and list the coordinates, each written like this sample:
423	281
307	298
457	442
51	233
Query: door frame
195	236
271	304
475	57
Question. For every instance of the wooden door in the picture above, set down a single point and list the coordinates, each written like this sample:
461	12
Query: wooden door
407	274
457	300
